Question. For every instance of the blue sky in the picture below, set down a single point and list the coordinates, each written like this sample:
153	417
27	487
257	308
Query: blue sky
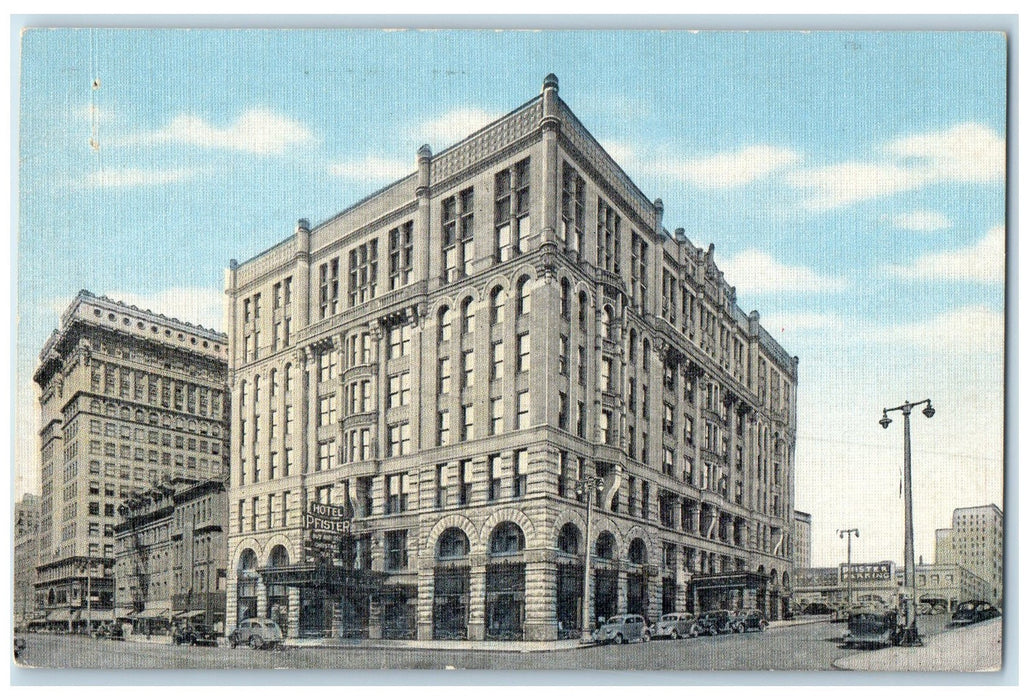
853	185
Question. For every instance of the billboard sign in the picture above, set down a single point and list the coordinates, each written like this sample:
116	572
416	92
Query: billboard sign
858	573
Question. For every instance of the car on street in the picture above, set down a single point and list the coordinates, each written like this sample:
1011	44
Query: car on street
868	627
257	633
619	629
749	620
674	625
714	622
195	635
972	611
109	631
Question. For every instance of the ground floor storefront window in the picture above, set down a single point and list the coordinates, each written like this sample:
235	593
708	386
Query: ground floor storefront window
398	612
668	594
505	601
315	613
450	603
278	607
636	594
569	601
605	596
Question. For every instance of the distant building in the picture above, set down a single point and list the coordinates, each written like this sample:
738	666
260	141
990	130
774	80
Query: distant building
26	552
939	587
975	541
447	359
126	396
171	555
801	540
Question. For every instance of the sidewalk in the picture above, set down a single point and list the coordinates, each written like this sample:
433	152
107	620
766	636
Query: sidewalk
973	648
439	645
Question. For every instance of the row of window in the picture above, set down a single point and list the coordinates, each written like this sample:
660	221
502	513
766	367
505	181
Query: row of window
155	390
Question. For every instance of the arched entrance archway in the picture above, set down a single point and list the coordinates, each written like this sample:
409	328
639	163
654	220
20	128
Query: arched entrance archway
569	582
246	585
505	583
605	577
636	581
277	608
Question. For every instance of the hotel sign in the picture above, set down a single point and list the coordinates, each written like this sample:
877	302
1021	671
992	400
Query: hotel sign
325	519
880	571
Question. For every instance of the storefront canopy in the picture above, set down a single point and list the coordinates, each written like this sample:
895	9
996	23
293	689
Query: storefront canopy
189	614
153	613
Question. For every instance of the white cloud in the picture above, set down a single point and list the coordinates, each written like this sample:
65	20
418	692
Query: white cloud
969	329
756	272
921	221
453	126
198	305
372	169
982	262
137	177
622	153
847	183
964	153
257	131
727	169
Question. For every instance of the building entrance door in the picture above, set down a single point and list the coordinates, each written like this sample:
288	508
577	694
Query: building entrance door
569	601
636	594
505	601
450	603
606	593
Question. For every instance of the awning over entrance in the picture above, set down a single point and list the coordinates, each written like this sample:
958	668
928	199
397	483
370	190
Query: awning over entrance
189	614
61	615
153	613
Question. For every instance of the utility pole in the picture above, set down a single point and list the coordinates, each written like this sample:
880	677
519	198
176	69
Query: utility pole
586	487
850	573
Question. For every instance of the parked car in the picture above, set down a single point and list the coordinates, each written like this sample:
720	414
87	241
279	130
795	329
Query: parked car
622	628
871	628
817	609
674	625
972	611
196	635
257	633
748	620
714	622
109	631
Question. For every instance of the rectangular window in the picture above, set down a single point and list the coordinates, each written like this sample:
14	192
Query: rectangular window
605	374
493	463
468	369
400	247
496	415
522	410
511	211
399	341
396	550
443	431
441	486
326	455
668	465
397	490
520	481
399	439
497	360
464	482
606	434
467	422
364	267
327	410
562	410
328	287
444	376
573	207
609	227
562	355
326	367
580	419
582	365
523	353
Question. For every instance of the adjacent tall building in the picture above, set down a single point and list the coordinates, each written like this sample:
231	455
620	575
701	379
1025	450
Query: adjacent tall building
445	361
127	396
26	552
801	539
975	541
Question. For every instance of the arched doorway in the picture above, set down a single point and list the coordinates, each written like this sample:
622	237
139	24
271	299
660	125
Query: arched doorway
505	583
450	586
605	577
636	581
278	594
246	585
569	582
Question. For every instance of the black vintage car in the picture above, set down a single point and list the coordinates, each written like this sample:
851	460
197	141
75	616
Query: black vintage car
871	628
972	611
714	622
748	620
195	635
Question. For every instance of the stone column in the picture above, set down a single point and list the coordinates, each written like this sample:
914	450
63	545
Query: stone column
426	600
302	275
623	590
477	599
422	226
293	615
540	598
551	127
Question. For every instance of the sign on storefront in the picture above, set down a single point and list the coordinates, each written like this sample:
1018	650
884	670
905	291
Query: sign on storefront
879	571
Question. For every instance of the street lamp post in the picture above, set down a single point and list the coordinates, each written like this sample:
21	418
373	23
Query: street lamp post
909	635
850	574
586	486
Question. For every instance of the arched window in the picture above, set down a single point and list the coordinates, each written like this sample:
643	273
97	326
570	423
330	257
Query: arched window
565	298
606	320
257	390
524	297
568	539
507	538
498	299
243	393
288	374
638	551
583	310
279	556
452	544
646	355
247	561
605	546
468	316
446	322
273	379
632	345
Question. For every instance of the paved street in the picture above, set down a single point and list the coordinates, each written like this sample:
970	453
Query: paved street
806	647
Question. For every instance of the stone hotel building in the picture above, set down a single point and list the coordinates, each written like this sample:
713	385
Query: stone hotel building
448	357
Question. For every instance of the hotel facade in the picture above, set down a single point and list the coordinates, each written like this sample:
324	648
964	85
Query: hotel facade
126	397
447	359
